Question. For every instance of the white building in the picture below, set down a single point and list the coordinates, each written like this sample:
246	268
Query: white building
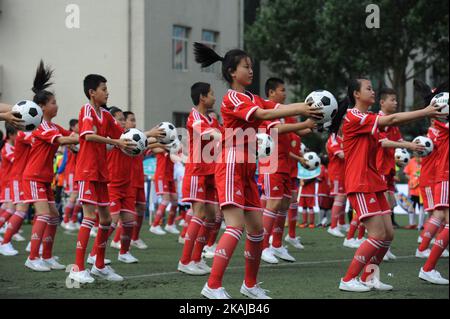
143	48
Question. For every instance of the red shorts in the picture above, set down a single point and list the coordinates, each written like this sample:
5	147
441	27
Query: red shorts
390	182
325	202
306	202
337	188
17	192
122	198
94	193
294	184
427	196
140	195
164	186
38	192
277	186
70	186
199	189
6	193
236	185
441	195
369	204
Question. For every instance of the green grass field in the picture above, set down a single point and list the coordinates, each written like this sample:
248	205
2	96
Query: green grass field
316	273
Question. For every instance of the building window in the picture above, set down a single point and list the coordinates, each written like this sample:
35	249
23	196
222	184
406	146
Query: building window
180	39
210	38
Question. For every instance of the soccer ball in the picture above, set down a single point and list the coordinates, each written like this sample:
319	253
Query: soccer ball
312	160
425	141
303	148
175	147
138	137
30	113
441	99
326	100
402	157
170	133
265	145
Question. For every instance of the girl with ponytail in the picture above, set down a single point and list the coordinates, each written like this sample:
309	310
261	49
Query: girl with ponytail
38	173
235	171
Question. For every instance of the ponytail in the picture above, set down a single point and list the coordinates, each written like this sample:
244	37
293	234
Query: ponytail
41	83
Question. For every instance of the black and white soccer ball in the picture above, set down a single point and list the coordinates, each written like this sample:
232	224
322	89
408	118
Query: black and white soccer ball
30	113
138	137
303	149
312	160
265	145
175	147
427	143
441	99
170	133
402	157
326	100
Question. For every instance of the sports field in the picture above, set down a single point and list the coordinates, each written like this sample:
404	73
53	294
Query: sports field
316	273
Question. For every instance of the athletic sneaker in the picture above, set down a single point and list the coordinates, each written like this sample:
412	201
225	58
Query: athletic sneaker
53	264
93	232
358	242
445	253
268	256
312	226
18	237
115	244
182	223
295	242
419	239
376	284
172	229
223	226
433	276
8	250
139	244
3	229
350	243
74	226
191	269
106	273
157	230
91	260
180	240
37	265
127	258
219	293
83	277
255	292
353	285
390	255
1	238
344	228
209	251
203	266
335	232
282	253
65	226
423	254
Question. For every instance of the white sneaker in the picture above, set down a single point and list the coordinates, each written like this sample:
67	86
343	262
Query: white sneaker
350	243
282	253
255	292
157	230
91	260
343	228
106	273
223	226
75	226
358	242
172	229
390	255
191	269
270	240
433	276
180	240
1	238
65	226
353	285
376	284
423	254
83	277
268	256
53	264
203	266
28	248
3	229
209	251
115	244
445	253
139	244
18	237
127	258
182	223
8	250
295	242
93	232
335	232
219	293
419	239
37	265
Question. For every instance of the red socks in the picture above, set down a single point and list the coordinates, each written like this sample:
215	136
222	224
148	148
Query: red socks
376	259
172	214
137	227
201	240
5	216
76	210
353	227
118	234
336	211
215	232
269	219
160	213
36	235
49	237
440	243
430	229
82	241
15	222
187	221
102	239
68	211
253	249
189	239
125	237
292	218
278	230
363	255
224	251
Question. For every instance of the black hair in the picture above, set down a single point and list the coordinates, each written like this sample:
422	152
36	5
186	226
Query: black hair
353	85
427	93
40	83
114	110
272	84
10	130
92	82
127	113
206	56
385	91
72	123
199	89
